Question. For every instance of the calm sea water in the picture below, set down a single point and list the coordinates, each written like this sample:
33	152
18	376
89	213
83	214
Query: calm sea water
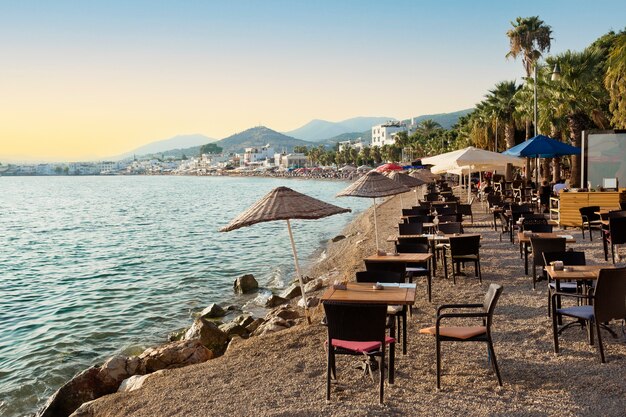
94	266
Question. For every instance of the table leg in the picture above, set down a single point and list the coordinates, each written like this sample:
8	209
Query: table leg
526	258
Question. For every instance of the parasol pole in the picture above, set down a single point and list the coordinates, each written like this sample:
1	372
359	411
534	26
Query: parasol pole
295	259
375	225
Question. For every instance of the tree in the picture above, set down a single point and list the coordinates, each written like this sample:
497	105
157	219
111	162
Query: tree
429	128
300	149
210	148
580	97
615	81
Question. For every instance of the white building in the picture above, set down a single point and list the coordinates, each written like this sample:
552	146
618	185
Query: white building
351	144
292	160
255	155
385	133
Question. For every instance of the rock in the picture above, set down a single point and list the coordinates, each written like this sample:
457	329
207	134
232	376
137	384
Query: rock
284	312
311	301
313	285
338	238
90	384
174	355
291	291
275	301
212	311
136	381
245	284
208	334
276	324
254	325
233	307
233	329
244	319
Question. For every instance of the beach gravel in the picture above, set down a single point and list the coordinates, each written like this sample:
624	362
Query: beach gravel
283	373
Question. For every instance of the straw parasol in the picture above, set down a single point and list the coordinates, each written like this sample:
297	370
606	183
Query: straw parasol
372	185
283	203
407	181
423	174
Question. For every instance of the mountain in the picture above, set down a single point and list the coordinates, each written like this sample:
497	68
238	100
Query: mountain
257	137
446	120
180	142
366	137
317	130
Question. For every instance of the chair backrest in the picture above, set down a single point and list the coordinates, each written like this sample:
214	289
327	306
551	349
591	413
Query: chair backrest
545	244
465	209
413	247
447	218
568	258
385	266
379	276
590	213
464	245
420	219
356	322
491	299
432	197
538	227
622	205
616	213
446	210
452	227
410	229
494	200
521	208
610	295
423	210
617	229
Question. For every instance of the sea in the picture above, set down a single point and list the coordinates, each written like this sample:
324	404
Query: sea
91	267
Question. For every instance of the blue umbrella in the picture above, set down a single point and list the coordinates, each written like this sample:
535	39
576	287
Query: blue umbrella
542	147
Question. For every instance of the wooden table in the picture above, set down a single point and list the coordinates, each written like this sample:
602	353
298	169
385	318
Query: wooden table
363	292
524	241
408	258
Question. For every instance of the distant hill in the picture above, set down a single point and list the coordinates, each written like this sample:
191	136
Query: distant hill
260	136
318	130
169	146
446	120
365	136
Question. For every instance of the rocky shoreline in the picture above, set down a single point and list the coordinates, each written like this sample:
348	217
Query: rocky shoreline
282	373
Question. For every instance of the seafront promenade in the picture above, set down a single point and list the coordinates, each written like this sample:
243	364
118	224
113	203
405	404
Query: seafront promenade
284	373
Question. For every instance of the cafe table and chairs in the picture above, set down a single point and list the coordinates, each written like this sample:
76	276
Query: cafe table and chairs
403	260
524	239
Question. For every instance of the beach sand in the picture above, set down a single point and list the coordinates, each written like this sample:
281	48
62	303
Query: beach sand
283	374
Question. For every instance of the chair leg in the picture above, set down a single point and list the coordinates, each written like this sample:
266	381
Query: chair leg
583	230
438	357
612	252
590	235
328	372
606	249
392	362
382	374
429	283
555	330
404	334
494	362
445	266
600	347
480	274
534	275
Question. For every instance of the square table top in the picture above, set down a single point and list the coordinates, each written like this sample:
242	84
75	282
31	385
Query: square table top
363	292
526	238
401	257
577	272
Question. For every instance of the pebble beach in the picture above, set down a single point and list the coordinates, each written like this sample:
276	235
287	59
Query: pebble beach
283	373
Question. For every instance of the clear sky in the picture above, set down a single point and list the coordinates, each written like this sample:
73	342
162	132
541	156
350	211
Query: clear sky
89	79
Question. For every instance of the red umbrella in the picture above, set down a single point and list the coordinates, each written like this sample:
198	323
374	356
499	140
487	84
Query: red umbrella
389	167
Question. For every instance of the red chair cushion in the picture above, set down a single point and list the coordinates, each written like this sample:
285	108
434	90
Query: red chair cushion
360	346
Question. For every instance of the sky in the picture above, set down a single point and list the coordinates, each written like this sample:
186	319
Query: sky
82	80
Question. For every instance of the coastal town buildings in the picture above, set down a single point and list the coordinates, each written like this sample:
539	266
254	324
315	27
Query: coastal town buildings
384	134
351	144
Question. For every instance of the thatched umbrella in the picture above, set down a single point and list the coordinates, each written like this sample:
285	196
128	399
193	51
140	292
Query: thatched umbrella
424	174
372	185
283	203
407	181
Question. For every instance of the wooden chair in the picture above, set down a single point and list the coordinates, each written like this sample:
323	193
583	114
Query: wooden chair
467	333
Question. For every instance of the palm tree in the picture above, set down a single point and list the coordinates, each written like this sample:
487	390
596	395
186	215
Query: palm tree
429	127
615	81
530	37
579	97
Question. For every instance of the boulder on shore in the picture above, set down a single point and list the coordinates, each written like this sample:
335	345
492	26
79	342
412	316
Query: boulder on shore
174	355
275	301
233	329
208	334
90	384
291	291
213	311
245	284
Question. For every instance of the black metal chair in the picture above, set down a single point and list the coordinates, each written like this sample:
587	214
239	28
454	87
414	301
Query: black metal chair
466	210
417	269
396	312
615	234
358	330
463	249
590	219
467	333
540	245
569	258
608	303
421	218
